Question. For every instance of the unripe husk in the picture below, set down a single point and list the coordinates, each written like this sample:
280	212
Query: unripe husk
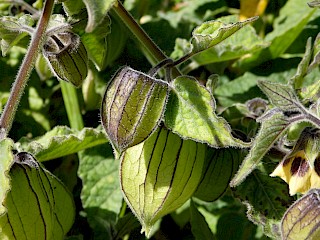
38	205
67	57
132	107
301	220
219	168
160	175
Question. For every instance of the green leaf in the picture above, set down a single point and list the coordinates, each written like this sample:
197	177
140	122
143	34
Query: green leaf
245	87
185	13
95	42
233	225
266	198
301	220
190	113
316	54
97	11
219	168
12	30
211	33
99	173
160	175
199	226
61	141
272	128
101	194
125	225
73	7
39	205
237	45
6	160
281	96
288	25
302	70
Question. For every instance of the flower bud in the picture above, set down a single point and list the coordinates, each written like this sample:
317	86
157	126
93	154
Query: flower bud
67	57
132	107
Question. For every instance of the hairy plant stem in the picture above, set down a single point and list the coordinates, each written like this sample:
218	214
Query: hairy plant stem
24	72
142	36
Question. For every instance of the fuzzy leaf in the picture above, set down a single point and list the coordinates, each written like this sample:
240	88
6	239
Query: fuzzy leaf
301	221
101	194
12	30
61	141
6	160
266	198
99	173
96	44
211	33
281	96
237	45
272	128
97	10
39	205
190	113
302	69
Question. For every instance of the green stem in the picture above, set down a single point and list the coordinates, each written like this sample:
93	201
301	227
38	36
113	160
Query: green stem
70	98
26	67
142	36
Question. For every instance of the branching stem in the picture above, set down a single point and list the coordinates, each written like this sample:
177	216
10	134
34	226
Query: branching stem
142	36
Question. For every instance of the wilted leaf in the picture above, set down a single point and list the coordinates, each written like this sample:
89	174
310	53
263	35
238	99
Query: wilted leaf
190	113
301	220
39	205
160	174
61	141
272	128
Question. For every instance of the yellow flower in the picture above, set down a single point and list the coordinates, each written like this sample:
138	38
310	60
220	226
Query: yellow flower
301	168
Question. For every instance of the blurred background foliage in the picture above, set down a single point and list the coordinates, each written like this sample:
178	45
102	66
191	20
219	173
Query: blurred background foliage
280	33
